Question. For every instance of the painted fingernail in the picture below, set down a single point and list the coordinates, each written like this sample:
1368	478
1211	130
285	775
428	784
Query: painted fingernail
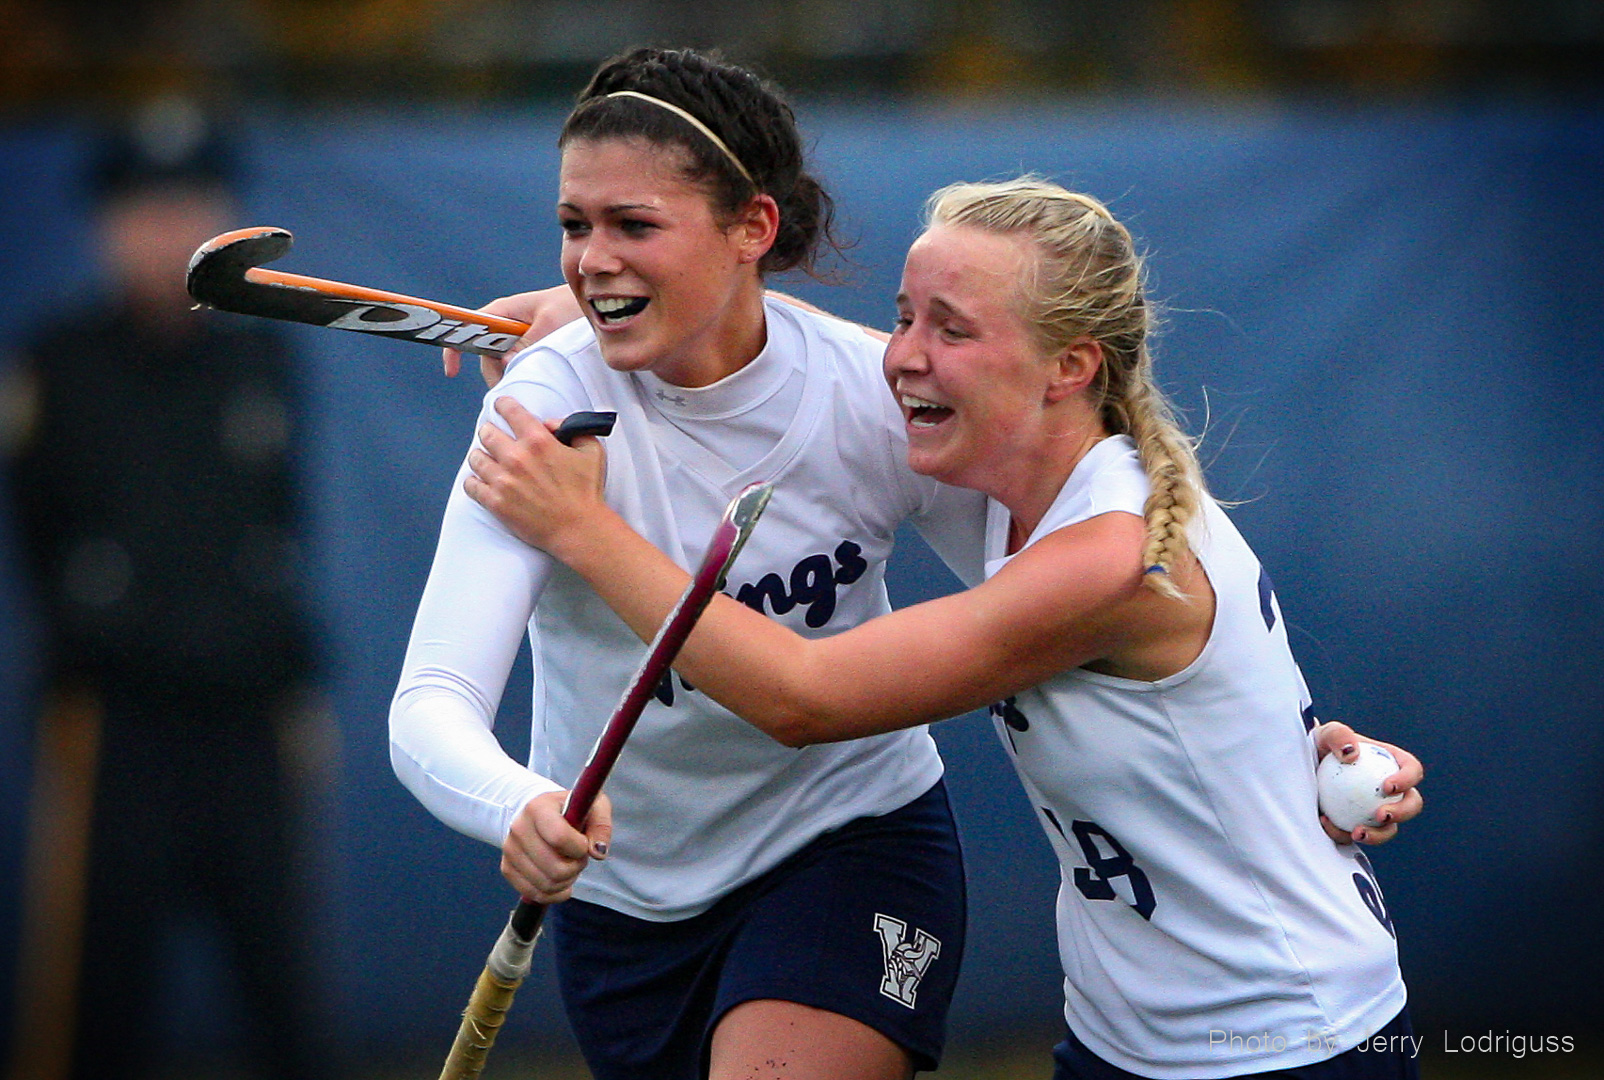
600	848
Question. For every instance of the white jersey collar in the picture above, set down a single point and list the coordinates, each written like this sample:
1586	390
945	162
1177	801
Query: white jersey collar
740	392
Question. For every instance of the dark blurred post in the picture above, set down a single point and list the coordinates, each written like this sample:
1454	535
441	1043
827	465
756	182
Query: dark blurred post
154	488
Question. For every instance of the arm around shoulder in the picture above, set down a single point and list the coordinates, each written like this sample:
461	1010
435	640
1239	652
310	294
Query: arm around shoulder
1056	605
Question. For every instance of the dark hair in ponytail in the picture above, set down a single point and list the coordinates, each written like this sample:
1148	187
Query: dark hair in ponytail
748	114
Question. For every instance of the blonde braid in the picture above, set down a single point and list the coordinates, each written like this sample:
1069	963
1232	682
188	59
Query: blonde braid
1089	280
1177	485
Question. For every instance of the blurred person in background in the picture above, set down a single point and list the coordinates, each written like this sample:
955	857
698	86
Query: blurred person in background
152	473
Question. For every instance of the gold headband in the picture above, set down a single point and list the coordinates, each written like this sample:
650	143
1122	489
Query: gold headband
695	123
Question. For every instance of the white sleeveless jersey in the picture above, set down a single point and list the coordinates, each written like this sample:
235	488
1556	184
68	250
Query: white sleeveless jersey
1207	926
702	801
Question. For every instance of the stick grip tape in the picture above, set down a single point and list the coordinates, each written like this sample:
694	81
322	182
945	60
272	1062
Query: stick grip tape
487	1009
481	1022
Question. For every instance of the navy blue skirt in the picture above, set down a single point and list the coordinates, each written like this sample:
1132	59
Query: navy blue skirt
867	921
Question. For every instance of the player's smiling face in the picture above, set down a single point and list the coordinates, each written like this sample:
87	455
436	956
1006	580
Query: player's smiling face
970	376
668	287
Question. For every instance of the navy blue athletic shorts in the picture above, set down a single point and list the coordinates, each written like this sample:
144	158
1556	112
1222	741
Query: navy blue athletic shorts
867	921
1072	1061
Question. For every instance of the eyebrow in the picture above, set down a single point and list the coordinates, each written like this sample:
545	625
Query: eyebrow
942	307
615	208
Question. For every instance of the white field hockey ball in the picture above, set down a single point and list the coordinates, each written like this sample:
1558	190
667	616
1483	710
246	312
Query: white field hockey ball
1350	795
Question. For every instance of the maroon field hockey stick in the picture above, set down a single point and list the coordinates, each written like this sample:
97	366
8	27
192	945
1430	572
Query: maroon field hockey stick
509	960
226	273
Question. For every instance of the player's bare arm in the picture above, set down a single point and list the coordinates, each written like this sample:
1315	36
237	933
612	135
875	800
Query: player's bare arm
1071	598
547	310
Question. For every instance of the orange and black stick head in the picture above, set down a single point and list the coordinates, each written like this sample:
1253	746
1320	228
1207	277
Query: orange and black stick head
226	273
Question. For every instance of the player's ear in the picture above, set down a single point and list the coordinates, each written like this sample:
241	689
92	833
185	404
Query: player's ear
1074	368
756	227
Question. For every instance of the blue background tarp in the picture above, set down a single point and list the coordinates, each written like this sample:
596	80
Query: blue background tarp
1385	320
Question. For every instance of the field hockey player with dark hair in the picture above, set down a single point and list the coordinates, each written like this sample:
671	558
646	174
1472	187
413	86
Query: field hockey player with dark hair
756	904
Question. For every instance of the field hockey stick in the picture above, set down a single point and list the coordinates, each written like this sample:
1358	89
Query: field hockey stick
226	273
509	960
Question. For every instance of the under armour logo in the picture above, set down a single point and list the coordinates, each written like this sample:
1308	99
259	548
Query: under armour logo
674	399
906	961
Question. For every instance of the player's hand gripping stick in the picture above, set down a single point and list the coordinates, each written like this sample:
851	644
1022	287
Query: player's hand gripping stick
226	273
510	958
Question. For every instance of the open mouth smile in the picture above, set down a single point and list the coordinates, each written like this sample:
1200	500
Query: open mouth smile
922	413
613	310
